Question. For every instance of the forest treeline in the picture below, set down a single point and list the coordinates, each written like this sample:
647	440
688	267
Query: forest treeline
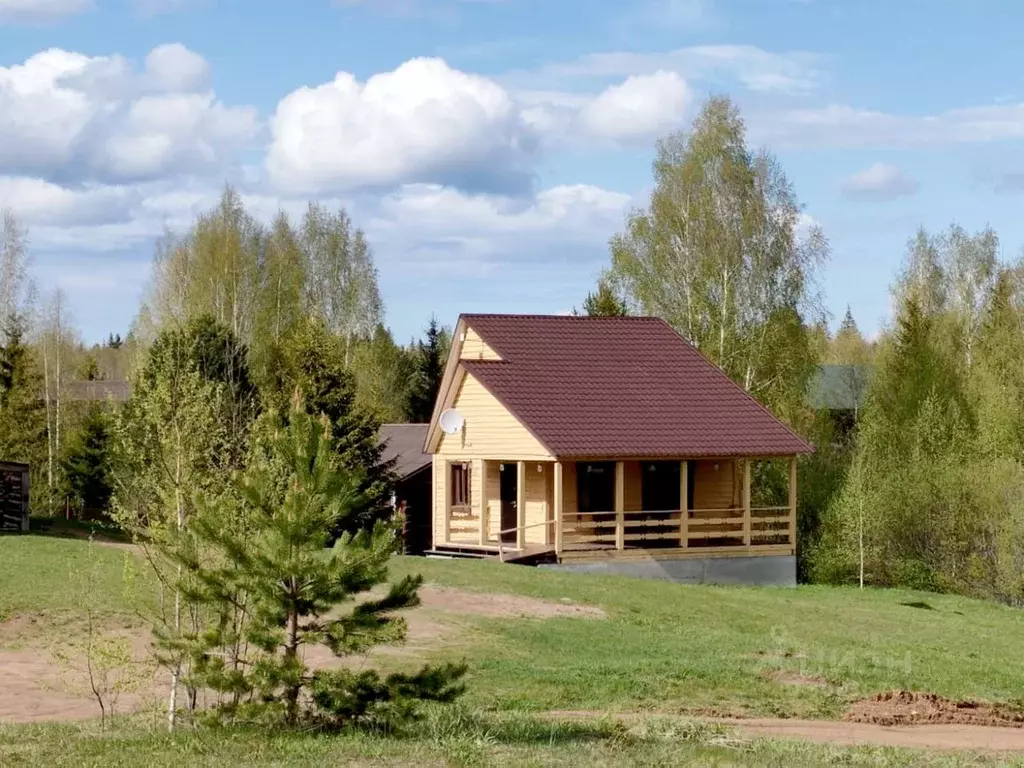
267	294
919	485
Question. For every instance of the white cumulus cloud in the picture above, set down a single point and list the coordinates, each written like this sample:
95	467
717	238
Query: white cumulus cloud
641	107
423	122
878	183
76	118
428	123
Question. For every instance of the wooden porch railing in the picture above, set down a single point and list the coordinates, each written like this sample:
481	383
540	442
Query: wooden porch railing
606	530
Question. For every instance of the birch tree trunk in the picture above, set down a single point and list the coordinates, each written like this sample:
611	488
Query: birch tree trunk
172	703
49	426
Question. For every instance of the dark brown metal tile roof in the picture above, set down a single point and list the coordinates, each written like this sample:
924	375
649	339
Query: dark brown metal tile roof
621	387
404	442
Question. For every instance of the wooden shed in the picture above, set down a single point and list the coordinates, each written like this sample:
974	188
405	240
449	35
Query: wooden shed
403	443
14	494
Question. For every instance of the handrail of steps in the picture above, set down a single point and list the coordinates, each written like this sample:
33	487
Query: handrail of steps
501	553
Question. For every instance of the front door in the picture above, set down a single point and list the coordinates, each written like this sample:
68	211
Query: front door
509	491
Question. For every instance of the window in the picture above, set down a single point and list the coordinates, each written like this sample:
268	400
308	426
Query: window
460	481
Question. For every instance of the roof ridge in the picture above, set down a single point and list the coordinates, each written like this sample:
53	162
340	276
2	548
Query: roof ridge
591	318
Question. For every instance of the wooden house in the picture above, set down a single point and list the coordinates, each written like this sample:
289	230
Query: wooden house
606	444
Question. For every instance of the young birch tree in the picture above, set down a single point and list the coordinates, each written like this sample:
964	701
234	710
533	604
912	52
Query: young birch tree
182	433
15	283
56	340
721	253
342	280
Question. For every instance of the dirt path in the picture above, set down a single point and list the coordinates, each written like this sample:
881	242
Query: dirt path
937	737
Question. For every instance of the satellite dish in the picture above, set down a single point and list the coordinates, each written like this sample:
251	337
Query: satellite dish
451	421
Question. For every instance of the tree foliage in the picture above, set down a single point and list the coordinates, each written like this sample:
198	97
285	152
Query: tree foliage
603	302
429	357
16	289
22	417
87	463
261	283
260	567
721	254
938	452
313	365
382	371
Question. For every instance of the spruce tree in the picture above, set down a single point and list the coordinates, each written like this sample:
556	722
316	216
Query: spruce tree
267	578
429	370
22	418
603	302
313	363
87	463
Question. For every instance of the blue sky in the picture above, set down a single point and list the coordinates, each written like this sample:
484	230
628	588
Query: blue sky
489	148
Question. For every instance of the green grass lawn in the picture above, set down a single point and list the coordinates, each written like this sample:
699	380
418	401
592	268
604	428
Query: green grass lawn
48	575
662	648
682	648
455	737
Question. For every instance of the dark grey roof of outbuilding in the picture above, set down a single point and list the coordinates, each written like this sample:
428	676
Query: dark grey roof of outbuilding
404	443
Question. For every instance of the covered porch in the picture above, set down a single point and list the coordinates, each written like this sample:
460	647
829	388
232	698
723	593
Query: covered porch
623	508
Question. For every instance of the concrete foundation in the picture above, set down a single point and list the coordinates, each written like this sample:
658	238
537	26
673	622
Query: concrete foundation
762	571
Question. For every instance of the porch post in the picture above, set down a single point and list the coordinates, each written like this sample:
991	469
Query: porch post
558	507
620	505
684	497
446	482
746	502
478	483
792	502
521	505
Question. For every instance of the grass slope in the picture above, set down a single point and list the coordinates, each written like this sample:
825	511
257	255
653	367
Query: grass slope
44	575
683	648
662	648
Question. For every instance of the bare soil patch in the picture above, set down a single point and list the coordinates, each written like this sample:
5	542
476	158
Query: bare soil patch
36	687
453	600
914	708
